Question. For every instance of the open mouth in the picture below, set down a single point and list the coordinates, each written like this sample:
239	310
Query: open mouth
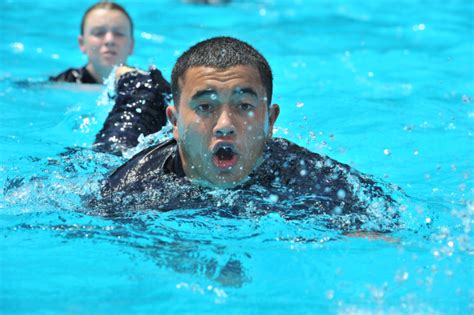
225	156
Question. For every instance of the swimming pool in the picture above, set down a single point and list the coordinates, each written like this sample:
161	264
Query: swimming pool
386	87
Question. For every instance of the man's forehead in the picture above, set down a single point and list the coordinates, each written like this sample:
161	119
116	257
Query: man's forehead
232	78
100	15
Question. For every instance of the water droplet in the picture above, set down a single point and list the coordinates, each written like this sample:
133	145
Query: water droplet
17	47
273	198
401	276
341	194
330	294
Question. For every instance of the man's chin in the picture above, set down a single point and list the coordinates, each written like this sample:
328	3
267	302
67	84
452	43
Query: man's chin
110	61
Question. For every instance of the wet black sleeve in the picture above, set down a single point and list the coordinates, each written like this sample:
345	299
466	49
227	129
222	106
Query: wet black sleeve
140	105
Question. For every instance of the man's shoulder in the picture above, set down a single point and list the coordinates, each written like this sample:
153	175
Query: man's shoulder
304	168
290	156
147	163
298	172
289	150
283	150
74	75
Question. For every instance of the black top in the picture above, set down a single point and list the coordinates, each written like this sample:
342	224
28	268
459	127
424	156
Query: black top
292	181
140	108
73	75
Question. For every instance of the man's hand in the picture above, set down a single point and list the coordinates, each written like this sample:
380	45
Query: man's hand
124	69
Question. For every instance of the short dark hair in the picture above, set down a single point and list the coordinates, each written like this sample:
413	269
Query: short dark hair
221	53
108	6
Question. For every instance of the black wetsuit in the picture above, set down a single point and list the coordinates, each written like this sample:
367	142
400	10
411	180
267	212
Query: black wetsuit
292	180
139	108
81	75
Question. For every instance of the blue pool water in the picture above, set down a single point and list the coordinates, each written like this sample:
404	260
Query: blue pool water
385	86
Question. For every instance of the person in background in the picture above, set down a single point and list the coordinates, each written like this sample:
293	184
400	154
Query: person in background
107	40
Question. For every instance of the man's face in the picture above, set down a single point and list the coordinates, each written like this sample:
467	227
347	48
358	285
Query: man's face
107	38
221	124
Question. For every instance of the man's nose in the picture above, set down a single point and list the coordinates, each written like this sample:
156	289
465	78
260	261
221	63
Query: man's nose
109	38
224	125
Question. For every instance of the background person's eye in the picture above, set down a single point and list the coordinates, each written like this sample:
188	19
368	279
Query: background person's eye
99	33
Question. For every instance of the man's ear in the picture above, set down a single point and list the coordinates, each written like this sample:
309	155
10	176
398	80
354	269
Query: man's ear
274	111
132	45
80	40
172	115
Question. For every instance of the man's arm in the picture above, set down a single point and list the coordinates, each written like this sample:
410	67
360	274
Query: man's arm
140	103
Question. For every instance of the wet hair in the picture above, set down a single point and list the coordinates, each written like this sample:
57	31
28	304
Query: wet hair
108	6
221	53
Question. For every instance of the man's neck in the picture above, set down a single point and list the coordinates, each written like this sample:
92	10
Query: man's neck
98	73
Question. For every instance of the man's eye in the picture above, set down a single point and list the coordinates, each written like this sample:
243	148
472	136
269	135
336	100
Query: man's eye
99	33
119	34
246	106
204	107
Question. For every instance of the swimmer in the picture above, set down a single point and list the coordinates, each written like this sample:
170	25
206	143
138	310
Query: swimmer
222	122
106	38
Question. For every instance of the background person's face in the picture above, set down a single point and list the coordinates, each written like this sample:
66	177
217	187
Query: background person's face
107	38
221	123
